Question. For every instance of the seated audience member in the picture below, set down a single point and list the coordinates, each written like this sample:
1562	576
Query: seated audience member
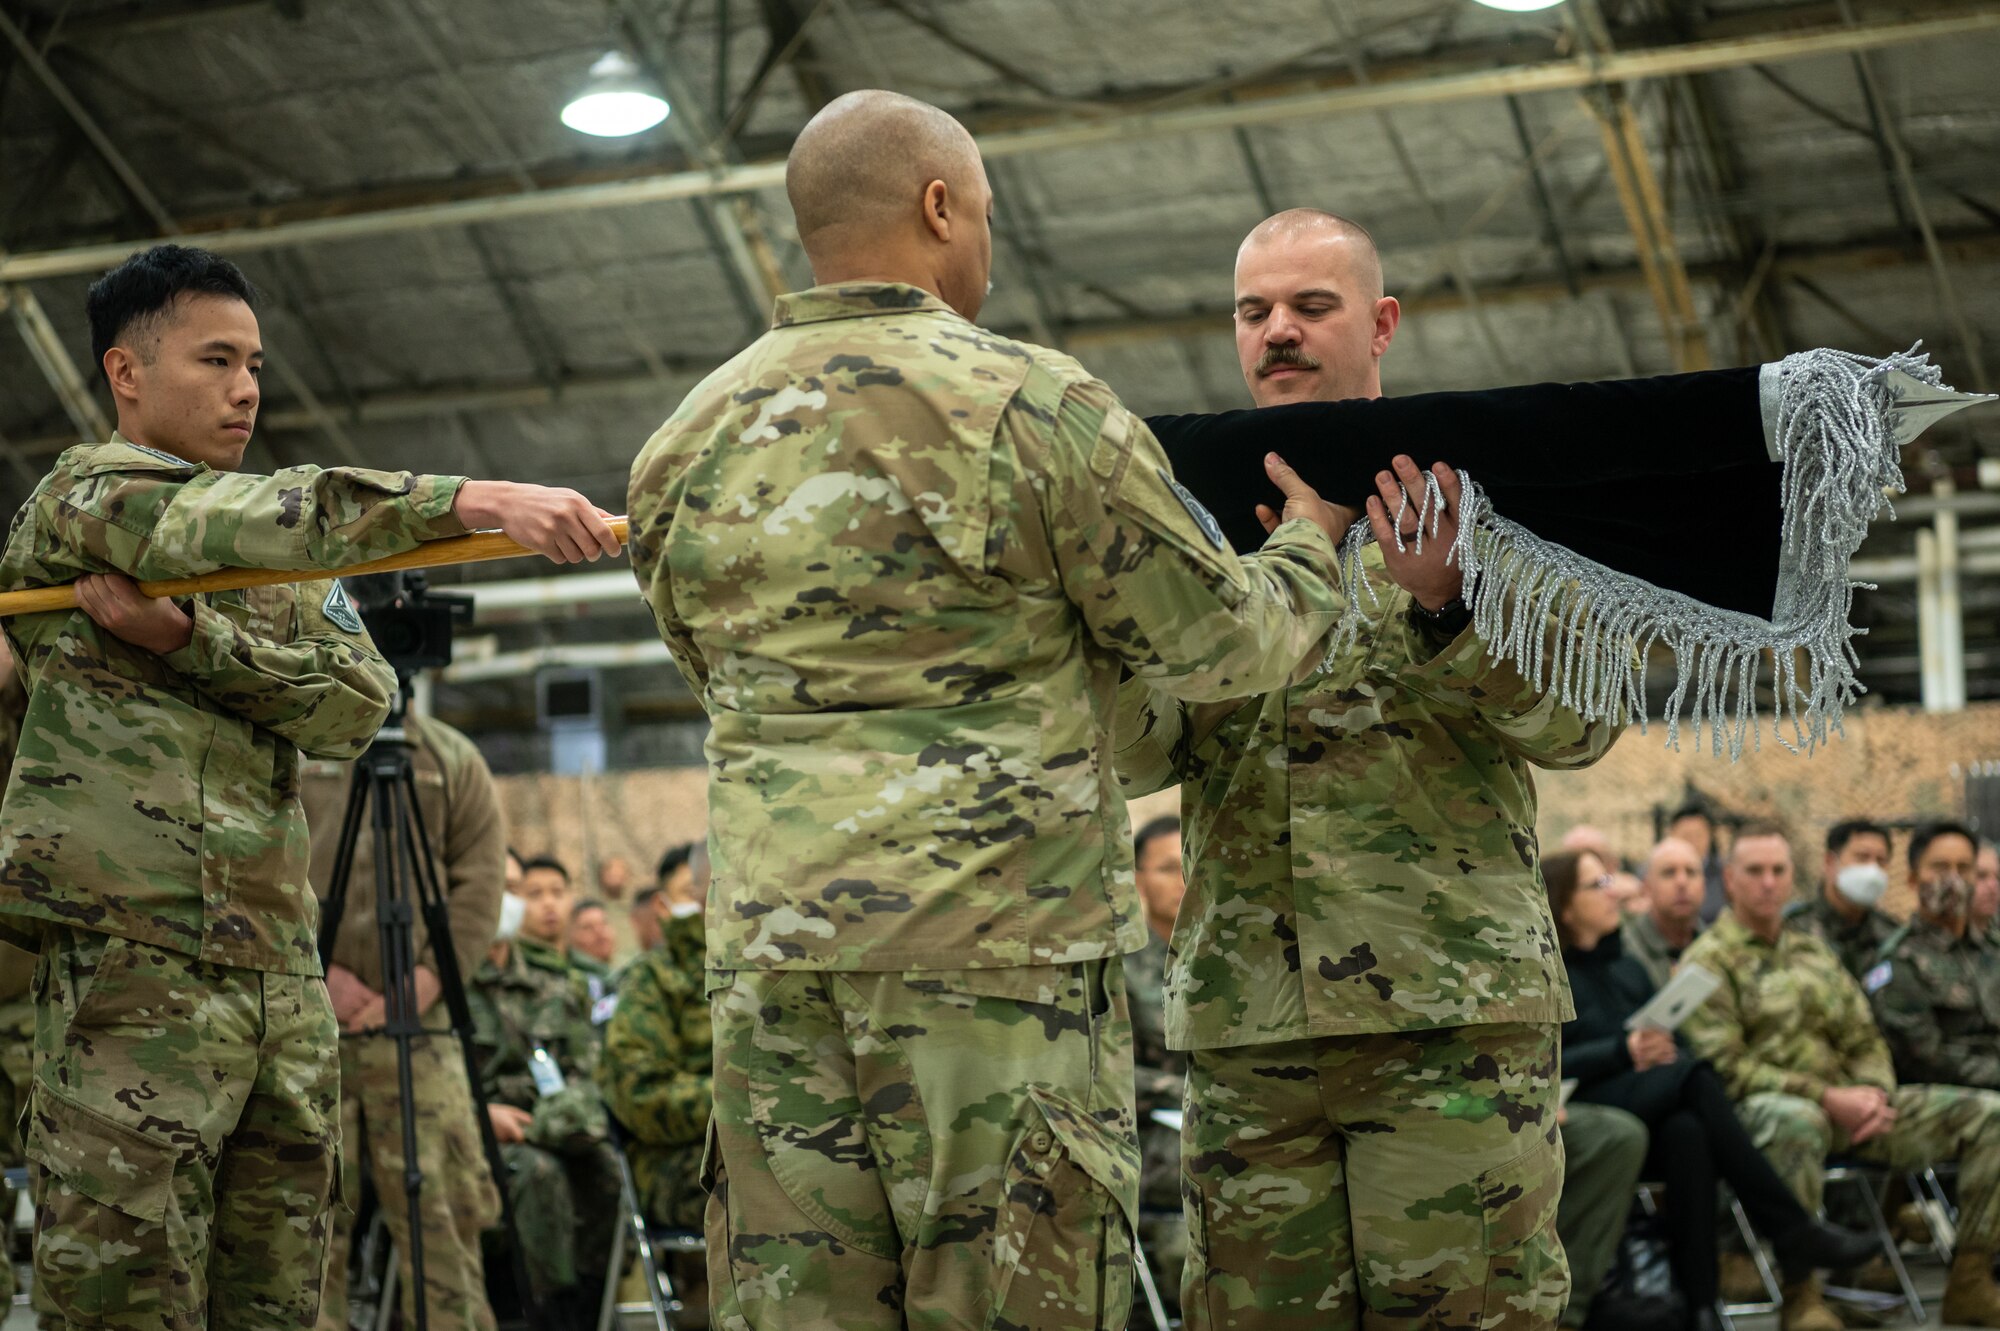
672	881
1625	888
1697	1141
1790	1033
614	878
1935	986
537	1053
1694	824
1673	887
591	946
1161	1072
1604	1152
1985	888
1844	914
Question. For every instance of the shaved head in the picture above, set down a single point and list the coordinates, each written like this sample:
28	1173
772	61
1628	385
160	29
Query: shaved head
1303	223
886	187
1312	324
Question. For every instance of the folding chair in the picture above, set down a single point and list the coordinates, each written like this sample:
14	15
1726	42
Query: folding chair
1929	1192
1871	1181
1773	1297
1149	1289
653	1244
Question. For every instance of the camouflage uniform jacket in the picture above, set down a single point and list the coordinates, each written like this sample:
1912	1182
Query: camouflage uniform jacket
1161	1070
1787	1017
1855	942
461	812
657	1070
536	1001
13	707
156	797
1363	843
1936	997
1645	944
902	561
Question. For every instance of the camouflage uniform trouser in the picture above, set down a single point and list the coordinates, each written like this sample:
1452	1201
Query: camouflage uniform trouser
1407	1179
1162	1222
935	1150
458	1198
186	1116
568	1205
17	1041
1604	1149
1933	1123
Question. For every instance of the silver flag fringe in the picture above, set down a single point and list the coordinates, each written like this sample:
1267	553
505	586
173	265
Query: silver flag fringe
1584	630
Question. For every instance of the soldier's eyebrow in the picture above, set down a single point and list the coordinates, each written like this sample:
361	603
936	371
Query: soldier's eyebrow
224	345
1318	293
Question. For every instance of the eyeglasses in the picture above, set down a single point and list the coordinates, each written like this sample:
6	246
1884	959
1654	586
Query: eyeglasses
1598	884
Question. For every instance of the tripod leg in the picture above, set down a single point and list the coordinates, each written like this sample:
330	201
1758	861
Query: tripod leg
399	994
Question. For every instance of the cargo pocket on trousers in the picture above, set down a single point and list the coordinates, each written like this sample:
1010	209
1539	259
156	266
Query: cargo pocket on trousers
1062	1246
110	1238
1527	1280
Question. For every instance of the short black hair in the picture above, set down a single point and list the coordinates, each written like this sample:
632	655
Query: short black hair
1846	830
588	903
645	897
1692	809
141	289
1164	825
1920	840
545	862
675	857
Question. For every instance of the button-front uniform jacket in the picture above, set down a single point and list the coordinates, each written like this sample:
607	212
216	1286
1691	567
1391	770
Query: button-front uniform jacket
157	797
1936	997
902	561
1361	846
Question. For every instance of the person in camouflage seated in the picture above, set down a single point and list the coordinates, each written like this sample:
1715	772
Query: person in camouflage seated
903	560
590	947
1790	1033
1161	1070
184	1103
1935	984
1846	914
1364	972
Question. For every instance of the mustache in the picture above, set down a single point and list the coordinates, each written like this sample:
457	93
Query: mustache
1289	356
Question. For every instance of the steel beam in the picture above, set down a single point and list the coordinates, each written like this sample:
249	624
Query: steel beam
57	366
1114	125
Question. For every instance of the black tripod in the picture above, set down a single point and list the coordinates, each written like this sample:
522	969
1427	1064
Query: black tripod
406	885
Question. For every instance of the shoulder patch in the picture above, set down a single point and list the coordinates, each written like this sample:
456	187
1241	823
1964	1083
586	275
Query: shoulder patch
1878	977
339	610
1202	517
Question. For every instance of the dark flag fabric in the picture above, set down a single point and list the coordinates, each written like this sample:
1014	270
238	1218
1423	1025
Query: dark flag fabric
1713	514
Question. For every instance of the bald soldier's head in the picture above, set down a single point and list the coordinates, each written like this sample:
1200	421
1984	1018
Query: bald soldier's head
890	189
1312	323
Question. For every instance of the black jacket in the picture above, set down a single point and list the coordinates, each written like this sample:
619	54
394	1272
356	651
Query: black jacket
1607	987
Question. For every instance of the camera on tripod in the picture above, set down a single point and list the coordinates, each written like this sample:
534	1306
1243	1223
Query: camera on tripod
411	624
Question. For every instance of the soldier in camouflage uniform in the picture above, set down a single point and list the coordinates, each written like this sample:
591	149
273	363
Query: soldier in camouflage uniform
1844	915
17	1006
461	814
152	847
1935	985
1790	1033
903	560
538	1053
1364	971
1162	1070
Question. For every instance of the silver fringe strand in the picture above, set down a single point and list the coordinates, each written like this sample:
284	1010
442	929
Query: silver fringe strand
1568	623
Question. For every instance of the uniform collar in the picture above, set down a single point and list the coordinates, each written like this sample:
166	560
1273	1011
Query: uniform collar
856	300
1733	932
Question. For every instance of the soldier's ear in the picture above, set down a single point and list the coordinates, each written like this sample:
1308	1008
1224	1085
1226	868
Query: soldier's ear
937	210
121	370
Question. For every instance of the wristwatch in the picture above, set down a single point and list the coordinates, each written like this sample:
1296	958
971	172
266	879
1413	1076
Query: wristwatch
1446	622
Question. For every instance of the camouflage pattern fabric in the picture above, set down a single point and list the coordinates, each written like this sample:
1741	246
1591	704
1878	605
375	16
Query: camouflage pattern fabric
1788	1017
458	1196
563	1180
1315	1196
1934	1125
657	1072
186	1117
935	1150
17	1044
1361	847
1855	942
1604	1150
902	560
1936	999
461	812
154	797
1161	1083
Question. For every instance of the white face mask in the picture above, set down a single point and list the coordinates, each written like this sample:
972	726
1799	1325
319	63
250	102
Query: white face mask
1862	884
680	910
513	910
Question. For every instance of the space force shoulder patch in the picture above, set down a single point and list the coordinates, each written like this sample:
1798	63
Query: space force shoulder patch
1878	978
340	611
1196	510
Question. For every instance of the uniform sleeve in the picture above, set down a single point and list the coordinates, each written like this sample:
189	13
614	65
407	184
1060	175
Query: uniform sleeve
1148	739
1917	1042
154	525
1863	1052
1714	1031
503	1074
475	852
657	1089
327	690
1152	577
1530	722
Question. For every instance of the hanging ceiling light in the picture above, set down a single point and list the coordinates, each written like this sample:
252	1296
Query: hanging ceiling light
615	102
1520	6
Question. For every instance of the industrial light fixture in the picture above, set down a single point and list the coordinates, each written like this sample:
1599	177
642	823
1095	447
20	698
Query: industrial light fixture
1520	6
616	101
